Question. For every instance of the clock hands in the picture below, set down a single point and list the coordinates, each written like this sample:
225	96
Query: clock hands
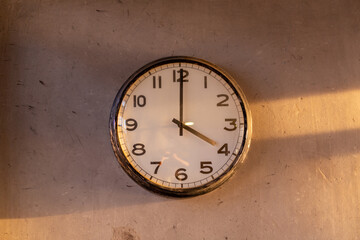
181	102
193	131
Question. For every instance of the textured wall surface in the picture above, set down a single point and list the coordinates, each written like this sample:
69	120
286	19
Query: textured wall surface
62	63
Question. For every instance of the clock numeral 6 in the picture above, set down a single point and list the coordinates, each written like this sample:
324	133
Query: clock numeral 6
224	150
131	124
180	174
157	167
232	123
139	101
138	149
206	168
223	103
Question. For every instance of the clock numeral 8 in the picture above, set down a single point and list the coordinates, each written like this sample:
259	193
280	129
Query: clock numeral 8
180	174
138	149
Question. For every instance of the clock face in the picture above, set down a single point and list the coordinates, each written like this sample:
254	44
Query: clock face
179	125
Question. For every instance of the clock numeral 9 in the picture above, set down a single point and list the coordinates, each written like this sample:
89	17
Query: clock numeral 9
205	167
138	149
139	101
157	167
224	150
223	103
131	124
232	123
180	174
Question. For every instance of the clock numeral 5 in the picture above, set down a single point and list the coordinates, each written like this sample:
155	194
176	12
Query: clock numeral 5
180	174
139	101
206	168
224	150
157	167
232	123
131	124
138	149
223	103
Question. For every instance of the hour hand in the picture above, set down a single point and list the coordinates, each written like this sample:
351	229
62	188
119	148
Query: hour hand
193	131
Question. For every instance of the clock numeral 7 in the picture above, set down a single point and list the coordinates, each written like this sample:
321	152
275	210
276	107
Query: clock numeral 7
183	75
224	150
157	167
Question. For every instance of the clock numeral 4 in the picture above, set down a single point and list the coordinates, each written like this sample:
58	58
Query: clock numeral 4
131	124
206	167
139	101
224	150
138	149
223	103
232	123
180	174
157	167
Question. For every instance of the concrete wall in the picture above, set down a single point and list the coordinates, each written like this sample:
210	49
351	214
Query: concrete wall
63	61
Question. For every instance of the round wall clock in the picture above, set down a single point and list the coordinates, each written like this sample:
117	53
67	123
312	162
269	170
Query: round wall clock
179	126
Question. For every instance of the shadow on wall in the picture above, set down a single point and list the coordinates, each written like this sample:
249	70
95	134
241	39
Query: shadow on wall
58	82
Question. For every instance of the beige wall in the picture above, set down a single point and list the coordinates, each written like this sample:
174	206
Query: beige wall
62	63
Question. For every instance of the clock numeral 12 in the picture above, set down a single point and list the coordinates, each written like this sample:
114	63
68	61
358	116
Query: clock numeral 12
183	75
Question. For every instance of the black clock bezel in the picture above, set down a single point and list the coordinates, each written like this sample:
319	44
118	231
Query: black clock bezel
182	192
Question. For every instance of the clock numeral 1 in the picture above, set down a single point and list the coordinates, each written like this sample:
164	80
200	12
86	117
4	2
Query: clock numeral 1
223	103
158	82
232	123
183	74
139	101
206	167
131	124
157	167
180	174
138	149
224	150
205	81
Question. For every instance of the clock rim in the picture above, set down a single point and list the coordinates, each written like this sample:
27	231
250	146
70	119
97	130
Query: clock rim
179	192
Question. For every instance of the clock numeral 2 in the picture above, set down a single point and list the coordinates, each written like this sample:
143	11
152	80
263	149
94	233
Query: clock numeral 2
206	167
223	103
183	74
180	174
138	149
158	82
224	150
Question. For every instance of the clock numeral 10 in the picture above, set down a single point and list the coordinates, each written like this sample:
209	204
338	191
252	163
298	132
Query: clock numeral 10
139	101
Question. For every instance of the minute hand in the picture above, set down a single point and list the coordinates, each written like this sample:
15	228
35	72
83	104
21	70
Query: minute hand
193	131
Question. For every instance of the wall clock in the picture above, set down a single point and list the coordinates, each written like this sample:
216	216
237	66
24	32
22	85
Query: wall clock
179	126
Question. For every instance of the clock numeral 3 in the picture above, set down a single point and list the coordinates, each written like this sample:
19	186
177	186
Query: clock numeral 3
138	149
157	167
206	168
224	150
131	124
223	103
180	174
139	101
232	123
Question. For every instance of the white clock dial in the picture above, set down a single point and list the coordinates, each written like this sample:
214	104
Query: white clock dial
179	125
